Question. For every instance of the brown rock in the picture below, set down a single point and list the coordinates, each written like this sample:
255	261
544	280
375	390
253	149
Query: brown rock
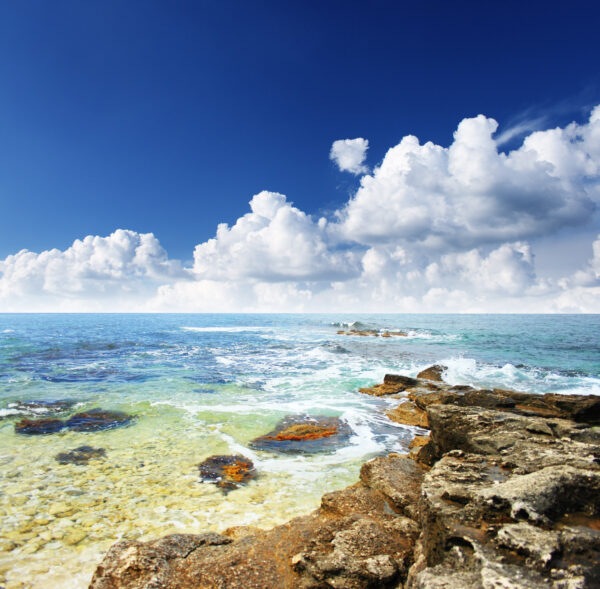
302	433
409	414
433	372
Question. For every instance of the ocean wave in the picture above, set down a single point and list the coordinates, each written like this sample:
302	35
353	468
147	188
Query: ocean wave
469	371
236	329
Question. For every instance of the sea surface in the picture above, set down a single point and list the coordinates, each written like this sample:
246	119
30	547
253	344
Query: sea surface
208	384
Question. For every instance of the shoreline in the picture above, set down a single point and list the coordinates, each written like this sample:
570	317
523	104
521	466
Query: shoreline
505	492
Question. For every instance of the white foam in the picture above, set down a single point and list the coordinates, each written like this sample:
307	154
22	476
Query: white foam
8	331
236	329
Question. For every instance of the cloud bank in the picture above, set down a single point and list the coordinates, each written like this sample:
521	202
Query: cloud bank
430	229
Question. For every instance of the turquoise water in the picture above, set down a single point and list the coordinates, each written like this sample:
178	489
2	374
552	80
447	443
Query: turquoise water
206	384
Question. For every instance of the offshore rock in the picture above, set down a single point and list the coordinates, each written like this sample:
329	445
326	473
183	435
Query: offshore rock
36	427
302	433
80	455
98	419
226	471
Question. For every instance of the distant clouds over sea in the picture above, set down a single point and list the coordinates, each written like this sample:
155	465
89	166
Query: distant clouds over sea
430	228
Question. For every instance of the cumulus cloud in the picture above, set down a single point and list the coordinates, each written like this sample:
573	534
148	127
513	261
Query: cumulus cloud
274	242
431	229
122	266
349	155
470	194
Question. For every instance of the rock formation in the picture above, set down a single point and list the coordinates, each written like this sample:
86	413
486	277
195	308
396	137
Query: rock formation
504	493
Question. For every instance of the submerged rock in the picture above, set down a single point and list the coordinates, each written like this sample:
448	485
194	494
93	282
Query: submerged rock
34	427
98	419
302	433
226	471
80	455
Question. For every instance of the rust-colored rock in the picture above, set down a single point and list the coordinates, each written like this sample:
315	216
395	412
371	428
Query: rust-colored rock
433	373
226	471
409	414
302	433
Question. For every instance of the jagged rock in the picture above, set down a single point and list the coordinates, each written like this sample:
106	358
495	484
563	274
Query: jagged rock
392	384
98	419
80	455
36	427
302	433
512	500
409	414
227	472
398	478
433	373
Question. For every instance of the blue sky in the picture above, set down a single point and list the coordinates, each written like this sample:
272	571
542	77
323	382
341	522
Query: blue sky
167	118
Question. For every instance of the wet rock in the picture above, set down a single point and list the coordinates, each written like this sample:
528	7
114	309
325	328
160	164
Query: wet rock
302	433
80	455
392	384
228	472
433	373
409	414
35	427
98	419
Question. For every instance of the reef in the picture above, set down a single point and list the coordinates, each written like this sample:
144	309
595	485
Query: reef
504	491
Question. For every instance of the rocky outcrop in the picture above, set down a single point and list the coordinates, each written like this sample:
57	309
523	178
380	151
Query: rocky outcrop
505	492
372	332
433	373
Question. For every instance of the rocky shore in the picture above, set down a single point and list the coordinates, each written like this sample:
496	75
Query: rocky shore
503	492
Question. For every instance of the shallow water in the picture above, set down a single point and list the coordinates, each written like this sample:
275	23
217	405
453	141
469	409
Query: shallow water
208	384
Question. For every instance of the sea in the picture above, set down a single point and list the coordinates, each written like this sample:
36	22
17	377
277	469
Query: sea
203	384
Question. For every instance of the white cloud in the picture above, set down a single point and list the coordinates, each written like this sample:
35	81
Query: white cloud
470	194
431	229
350	154
274	242
123	266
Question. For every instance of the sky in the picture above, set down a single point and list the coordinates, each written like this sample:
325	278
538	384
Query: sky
299	156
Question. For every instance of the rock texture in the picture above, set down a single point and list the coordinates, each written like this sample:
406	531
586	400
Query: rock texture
303	433
505	492
228	472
